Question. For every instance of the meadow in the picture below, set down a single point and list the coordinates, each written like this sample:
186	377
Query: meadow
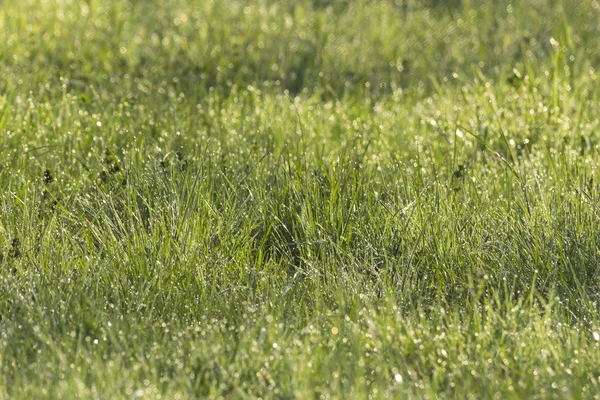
332	199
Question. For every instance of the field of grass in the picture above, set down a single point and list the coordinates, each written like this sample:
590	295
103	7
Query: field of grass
299	199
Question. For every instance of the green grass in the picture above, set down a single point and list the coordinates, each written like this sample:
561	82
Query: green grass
299	199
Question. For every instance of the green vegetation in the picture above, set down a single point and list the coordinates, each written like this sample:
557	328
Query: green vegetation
299	199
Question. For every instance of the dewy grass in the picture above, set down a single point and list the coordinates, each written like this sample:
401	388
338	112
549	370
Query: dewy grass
299	199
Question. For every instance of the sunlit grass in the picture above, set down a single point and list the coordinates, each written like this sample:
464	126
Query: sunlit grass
299	199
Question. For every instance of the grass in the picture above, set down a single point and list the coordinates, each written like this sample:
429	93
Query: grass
299	199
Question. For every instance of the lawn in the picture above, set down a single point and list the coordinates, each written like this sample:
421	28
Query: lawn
299	199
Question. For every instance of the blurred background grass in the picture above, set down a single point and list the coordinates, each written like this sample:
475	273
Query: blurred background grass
336	46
